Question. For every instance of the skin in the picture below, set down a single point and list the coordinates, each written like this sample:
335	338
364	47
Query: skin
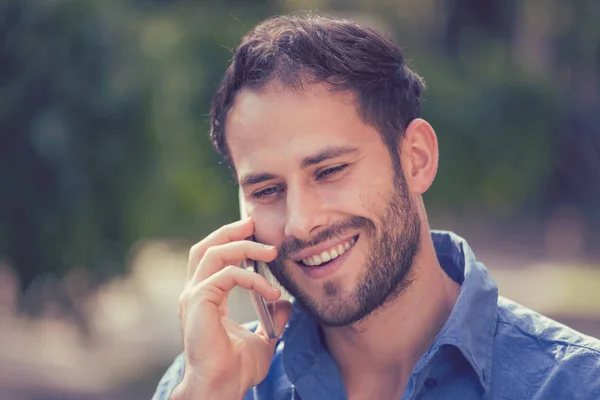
270	133
387	233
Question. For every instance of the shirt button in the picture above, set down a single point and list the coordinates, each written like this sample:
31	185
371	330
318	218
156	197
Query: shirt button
430	383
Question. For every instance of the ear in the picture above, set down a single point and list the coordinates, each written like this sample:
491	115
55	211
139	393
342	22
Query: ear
419	155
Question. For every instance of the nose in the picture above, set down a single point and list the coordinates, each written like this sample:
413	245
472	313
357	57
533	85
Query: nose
305	214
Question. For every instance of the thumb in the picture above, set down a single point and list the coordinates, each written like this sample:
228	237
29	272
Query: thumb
281	311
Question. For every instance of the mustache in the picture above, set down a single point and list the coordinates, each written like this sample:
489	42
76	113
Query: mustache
293	245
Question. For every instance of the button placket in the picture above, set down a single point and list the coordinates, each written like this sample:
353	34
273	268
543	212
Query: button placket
426	389
430	383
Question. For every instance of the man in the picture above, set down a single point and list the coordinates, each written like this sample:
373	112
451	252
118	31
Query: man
318	119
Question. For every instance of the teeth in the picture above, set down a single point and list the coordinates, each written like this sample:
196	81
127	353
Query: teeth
317	260
328	255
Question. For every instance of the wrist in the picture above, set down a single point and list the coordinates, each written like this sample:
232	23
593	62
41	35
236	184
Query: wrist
199	389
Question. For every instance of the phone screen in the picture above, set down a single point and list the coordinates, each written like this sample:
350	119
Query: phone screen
265	310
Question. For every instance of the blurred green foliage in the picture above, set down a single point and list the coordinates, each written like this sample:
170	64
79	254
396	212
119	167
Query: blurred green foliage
103	116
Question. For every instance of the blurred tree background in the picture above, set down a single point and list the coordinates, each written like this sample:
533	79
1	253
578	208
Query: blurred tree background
103	117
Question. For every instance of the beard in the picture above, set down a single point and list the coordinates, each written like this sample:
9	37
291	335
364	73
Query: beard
394	241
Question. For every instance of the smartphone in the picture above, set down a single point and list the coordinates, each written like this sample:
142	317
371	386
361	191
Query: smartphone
265	310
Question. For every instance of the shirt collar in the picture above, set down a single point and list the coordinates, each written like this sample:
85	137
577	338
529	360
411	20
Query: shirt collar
472	322
470	326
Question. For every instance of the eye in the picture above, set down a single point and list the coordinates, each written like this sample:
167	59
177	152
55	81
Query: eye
267	192
331	171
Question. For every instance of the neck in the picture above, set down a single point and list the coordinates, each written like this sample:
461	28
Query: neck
377	355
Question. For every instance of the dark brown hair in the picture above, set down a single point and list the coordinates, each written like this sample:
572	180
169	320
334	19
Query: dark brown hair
297	50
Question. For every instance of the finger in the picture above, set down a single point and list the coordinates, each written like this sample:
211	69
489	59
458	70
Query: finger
224	307
235	231
215	289
217	257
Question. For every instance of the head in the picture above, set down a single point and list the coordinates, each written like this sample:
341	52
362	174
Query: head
319	120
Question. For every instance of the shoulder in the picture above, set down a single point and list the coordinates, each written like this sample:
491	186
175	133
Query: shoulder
170	379
523	322
543	357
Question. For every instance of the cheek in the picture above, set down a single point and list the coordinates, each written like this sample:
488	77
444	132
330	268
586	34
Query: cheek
355	196
343	196
269	224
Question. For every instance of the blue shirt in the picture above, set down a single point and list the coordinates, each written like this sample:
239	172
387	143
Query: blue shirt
489	348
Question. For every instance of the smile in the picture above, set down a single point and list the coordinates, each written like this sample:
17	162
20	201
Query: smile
329	254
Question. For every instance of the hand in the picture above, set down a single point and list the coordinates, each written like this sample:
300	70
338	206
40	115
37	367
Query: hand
223	357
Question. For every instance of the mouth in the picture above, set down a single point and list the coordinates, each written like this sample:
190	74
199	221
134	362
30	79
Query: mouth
327	256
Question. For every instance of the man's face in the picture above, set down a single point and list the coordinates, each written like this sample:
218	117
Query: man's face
320	186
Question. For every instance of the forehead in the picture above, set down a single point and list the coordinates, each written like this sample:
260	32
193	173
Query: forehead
267	128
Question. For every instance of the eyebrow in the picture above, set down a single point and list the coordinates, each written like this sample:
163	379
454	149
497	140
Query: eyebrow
332	152
327	154
253	179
